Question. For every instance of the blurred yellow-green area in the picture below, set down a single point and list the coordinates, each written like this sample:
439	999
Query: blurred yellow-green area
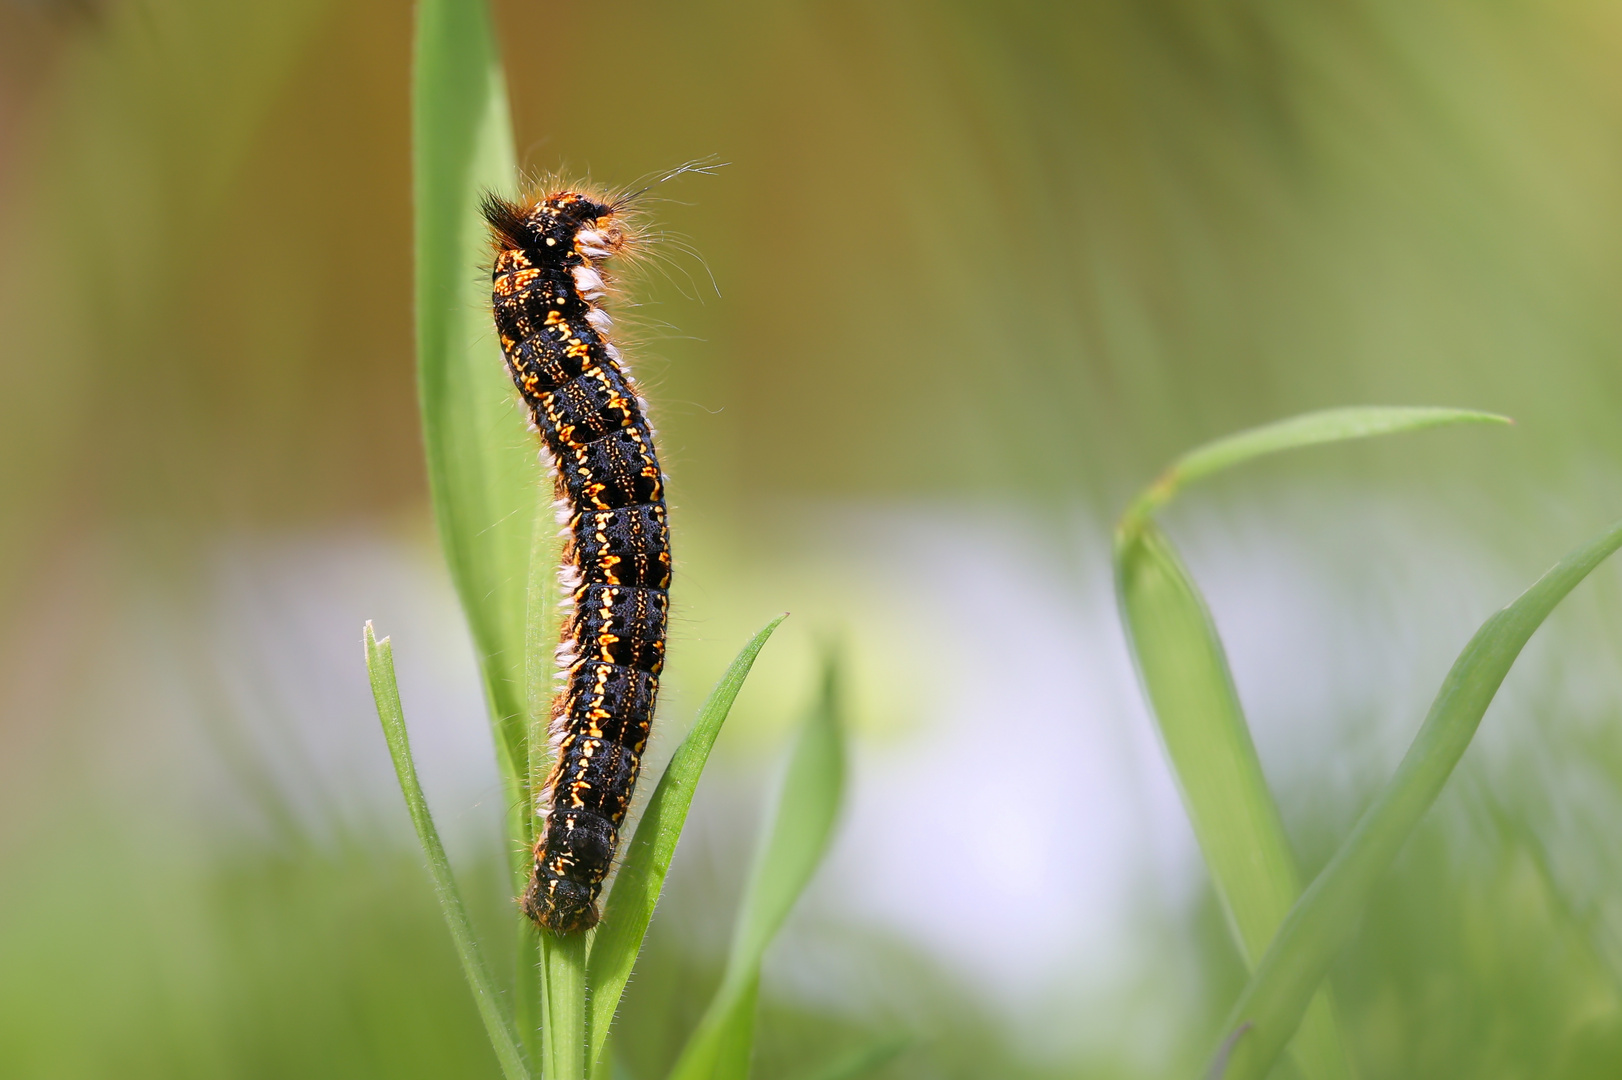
972	274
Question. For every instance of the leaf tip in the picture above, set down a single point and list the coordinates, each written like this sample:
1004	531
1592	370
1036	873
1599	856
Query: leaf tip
1219	1062
372	640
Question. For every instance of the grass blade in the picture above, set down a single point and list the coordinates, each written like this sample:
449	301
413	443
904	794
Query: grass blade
1323	919
720	1047
563	959
867	1059
380	666
482	466
637	886
1185	675
535	960
1308	429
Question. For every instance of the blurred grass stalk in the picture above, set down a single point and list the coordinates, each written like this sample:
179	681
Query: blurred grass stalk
1185	674
1323	920
630	904
603	960
482	469
497	1024
788	853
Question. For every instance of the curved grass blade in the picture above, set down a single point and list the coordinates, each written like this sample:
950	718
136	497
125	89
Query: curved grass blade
1185	675
386	693
1324	918
482	467
1308	429
867	1059
636	889
720	1047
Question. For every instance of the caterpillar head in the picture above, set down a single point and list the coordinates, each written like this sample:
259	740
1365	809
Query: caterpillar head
566	223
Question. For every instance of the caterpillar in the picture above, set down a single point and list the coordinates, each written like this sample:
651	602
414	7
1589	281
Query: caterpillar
547	284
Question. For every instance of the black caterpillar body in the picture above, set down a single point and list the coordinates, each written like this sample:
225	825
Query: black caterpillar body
547	282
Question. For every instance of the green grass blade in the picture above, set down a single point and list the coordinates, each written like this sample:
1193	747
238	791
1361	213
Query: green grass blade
482	466
642	875
564	962
1308	429
867	1059
541	632
720	1047
380	666
535	950
528	1003
1185	675
1324	918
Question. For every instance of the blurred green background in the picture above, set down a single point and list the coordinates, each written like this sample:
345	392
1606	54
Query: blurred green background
979	271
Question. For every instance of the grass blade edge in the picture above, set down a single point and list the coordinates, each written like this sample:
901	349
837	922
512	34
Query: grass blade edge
386	694
1323	920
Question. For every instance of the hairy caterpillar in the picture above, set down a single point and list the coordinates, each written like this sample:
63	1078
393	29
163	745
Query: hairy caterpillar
547	282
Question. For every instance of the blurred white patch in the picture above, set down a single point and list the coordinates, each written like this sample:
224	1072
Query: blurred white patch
267	677
1010	817
1021	824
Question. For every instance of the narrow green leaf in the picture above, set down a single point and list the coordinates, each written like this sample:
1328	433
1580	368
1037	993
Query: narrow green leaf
636	890
564	960
868	1059
720	1047
1185	675
559	971
386	693
1308	429
482	467
1322	921
541	631
528	1003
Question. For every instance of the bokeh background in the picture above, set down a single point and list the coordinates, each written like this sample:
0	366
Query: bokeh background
973	273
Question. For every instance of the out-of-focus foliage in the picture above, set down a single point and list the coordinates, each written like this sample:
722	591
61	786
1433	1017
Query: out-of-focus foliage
990	262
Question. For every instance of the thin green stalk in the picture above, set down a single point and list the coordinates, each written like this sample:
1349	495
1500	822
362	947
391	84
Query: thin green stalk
482	469
1308	429
1185	675
790	849
386	693
565	967
636	890
529	1014
540	639
540	651
1325	917
861	1062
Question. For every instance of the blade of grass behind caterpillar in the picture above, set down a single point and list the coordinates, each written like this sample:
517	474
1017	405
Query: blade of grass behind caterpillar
482	467
1185	675
1323	920
630	903
790	849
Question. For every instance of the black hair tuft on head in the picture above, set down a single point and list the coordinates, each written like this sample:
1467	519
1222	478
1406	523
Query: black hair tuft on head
506	220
